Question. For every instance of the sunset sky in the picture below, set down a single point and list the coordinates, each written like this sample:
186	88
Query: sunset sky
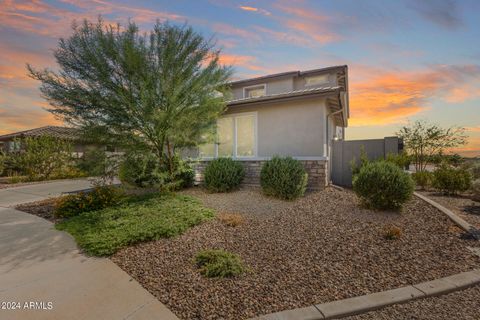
407	59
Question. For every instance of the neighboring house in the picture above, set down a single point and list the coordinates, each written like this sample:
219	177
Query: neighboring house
12	142
296	114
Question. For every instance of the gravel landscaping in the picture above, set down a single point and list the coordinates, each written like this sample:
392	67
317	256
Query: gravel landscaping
43	208
463	305
320	248
462	205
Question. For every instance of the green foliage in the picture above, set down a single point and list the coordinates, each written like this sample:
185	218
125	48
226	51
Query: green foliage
284	178
223	175
219	263
450	180
42	158
2	163
96	162
100	197
145	171
145	218
383	185
354	167
475	169
476	190
401	160
424	140
158	91
423	179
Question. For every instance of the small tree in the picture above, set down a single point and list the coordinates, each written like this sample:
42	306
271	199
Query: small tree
41	157
424	140
158	91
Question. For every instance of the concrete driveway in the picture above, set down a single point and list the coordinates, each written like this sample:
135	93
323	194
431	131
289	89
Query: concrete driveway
43	276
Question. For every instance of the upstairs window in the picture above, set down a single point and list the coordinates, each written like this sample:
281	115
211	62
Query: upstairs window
316	80
254	91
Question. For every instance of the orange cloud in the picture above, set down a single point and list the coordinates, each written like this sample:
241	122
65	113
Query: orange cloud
257	10
381	97
471	149
247	62
473	129
463	93
229	30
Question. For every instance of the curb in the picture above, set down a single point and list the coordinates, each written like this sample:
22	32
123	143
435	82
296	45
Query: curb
361	304
455	218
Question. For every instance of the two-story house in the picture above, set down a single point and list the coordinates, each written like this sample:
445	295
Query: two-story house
297	113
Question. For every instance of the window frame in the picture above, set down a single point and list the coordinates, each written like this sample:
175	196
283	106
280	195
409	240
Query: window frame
264	85
234	117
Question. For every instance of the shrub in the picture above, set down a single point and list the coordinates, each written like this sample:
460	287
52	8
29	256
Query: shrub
231	219
423	179
451	180
402	160
392	232
219	263
143	170
476	190
476	170
41	158
100	197
2	163
284	178
223	175
383	185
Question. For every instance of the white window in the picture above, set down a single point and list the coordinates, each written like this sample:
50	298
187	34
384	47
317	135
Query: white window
236	137
254	91
316	80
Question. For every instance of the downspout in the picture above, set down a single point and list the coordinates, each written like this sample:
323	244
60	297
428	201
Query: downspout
325	152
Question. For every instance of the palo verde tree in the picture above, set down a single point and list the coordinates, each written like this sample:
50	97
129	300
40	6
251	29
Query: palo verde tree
424	140
157	91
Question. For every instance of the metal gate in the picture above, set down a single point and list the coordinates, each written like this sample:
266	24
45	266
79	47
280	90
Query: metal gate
344	151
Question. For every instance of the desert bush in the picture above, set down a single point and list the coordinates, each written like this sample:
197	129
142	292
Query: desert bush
99	198
231	219
402	160
223	175
475	169
41	158
2	163
143	170
423	179
476	190
284	178
219	263
450	180
392	232
383	185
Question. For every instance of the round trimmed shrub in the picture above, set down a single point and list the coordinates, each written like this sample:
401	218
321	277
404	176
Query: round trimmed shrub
383	185
450	180
284	178
223	175
219	264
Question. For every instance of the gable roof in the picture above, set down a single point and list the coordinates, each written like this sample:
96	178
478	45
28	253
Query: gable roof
52	131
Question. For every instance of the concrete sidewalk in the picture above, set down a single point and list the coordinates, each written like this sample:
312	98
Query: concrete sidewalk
41	268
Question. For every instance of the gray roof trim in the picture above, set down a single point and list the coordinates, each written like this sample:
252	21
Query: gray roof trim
286	95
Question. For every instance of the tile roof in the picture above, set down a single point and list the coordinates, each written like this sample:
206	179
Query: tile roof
289	94
52	131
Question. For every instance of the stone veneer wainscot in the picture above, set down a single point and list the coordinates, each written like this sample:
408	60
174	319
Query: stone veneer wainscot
316	169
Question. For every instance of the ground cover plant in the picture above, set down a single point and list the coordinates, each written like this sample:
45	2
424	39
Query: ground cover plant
143	218
223	175
219	264
383	185
284	178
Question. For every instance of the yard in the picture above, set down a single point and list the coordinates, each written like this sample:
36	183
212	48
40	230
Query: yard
320	248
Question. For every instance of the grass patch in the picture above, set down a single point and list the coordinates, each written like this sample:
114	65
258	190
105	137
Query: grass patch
142	218
219	264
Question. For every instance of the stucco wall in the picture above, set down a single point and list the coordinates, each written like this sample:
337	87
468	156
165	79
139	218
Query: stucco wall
289	128
273	86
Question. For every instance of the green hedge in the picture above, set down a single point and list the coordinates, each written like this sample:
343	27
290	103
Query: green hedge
223	175
283	178
383	185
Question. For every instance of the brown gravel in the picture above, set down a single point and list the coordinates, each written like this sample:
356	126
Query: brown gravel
320	248
463	305
43	208
462	205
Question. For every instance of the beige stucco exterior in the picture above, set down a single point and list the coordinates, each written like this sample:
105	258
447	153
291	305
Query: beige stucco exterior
295	128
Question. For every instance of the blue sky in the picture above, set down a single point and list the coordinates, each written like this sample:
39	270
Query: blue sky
407	59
